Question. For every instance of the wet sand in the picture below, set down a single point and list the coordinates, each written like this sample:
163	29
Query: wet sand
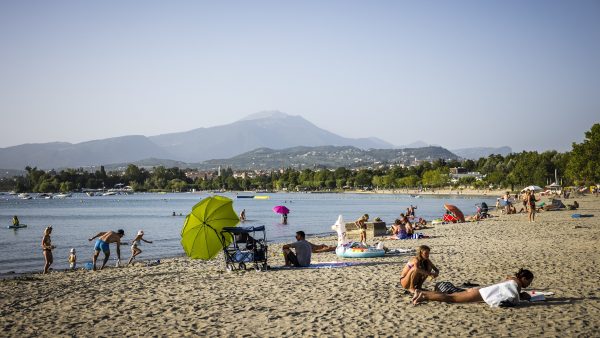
180	297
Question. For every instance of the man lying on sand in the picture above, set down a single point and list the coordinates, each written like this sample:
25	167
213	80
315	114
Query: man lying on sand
507	293
102	243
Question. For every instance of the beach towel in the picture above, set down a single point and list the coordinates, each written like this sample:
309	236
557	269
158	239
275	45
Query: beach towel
581	215
401	251
322	265
447	288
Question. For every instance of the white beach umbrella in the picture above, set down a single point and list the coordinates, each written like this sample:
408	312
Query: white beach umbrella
532	187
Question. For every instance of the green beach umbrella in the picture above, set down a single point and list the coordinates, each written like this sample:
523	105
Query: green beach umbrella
201	233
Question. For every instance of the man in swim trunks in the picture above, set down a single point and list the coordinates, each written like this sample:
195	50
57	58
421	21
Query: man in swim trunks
102	243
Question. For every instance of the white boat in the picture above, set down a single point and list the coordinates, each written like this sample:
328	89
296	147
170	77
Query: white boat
45	196
24	196
121	189
109	193
64	195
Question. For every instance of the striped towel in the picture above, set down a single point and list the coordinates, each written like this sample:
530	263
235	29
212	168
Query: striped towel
447	288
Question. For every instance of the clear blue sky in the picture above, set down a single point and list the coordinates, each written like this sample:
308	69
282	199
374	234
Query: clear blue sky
455	73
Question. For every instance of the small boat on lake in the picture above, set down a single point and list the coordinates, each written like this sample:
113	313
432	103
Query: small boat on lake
20	226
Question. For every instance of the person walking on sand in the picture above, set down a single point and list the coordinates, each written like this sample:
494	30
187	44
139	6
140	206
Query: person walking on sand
47	248
507	293
361	224
137	241
418	268
102	243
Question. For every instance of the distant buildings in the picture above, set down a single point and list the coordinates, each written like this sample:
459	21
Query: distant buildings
457	173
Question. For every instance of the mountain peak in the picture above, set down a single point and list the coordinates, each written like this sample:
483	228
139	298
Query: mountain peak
271	114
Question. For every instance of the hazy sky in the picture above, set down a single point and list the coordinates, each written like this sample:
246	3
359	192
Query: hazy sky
455	73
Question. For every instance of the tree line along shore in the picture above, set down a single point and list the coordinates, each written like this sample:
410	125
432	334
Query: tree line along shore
578	167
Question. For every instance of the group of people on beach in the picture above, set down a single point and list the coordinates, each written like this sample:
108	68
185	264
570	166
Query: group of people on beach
103	241
403	228
528	200
419	268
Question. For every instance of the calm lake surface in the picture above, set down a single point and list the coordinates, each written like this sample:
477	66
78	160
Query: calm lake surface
79	217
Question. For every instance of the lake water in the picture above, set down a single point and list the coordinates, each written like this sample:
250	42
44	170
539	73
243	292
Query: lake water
79	217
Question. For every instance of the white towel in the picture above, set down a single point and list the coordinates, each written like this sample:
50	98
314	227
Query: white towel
505	292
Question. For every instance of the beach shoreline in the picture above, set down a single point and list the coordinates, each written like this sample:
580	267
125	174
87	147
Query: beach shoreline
185	297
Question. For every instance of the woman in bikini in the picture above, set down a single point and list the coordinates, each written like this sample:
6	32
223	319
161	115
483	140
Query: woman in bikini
361	224
418	268
504	293
47	248
531	202
399	231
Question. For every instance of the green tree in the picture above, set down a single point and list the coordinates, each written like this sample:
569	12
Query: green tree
435	178
583	166
408	181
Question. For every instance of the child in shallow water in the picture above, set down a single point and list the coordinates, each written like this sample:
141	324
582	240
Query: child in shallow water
137	241
72	259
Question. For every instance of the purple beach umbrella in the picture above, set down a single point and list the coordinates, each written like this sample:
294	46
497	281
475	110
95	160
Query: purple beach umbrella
280	209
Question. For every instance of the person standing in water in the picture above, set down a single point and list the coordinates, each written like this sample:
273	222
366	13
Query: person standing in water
47	248
243	215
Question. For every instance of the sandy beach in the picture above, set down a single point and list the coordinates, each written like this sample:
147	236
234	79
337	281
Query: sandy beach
181	297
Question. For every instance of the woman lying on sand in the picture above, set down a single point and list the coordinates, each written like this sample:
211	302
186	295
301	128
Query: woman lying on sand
507	293
417	270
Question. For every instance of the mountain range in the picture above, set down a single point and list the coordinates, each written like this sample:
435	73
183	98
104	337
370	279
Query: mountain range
267	129
272	130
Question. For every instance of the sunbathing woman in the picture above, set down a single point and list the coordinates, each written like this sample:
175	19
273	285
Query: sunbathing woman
395	229
417	270
504	293
399	231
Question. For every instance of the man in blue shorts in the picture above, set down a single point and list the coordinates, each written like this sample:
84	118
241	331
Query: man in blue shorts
102	243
